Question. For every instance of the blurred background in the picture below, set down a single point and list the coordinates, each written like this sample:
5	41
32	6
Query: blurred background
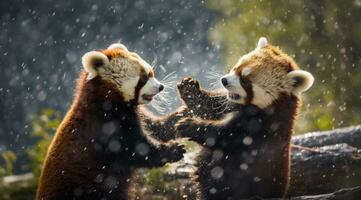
42	41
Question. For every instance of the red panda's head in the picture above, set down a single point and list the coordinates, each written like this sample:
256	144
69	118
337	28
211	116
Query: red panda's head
261	76
129	73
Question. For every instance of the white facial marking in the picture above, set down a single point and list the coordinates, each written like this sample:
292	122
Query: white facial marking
262	42
120	68
268	82
234	87
150	89
128	88
147	67
261	98
124	72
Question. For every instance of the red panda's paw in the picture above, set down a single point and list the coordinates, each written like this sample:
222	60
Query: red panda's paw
185	127
189	88
173	152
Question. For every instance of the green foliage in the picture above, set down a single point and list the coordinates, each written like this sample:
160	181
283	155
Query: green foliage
154	178
9	157
323	36
157	183
18	191
43	128
162	183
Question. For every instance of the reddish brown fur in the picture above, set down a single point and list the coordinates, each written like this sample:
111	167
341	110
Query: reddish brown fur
56	164
77	155
285	110
271	139
270	128
151	74
274	58
115	53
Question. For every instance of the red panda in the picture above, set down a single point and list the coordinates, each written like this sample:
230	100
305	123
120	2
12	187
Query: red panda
100	141
247	153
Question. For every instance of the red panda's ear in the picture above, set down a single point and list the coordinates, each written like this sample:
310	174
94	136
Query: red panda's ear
92	61
246	71
301	81
117	46
135	55
262	42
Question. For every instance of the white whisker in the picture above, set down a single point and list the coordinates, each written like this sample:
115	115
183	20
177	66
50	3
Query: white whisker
169	76
214	78
225	108
221	105
154	62
163	101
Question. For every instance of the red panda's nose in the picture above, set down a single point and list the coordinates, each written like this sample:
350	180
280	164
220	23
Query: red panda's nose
224	81
161	87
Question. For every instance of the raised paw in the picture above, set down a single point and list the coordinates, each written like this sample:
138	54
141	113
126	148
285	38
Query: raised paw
189	89
173	152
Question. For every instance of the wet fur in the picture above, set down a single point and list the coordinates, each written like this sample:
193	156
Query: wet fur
80	164
270	130
196	102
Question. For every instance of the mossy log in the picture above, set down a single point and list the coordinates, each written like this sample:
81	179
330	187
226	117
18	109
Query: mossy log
343	194
350	135
324	169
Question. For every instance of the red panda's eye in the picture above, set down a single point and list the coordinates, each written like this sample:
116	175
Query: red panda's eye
144	78
242	80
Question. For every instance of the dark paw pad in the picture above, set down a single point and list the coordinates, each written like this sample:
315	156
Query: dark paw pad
188	88
174	152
